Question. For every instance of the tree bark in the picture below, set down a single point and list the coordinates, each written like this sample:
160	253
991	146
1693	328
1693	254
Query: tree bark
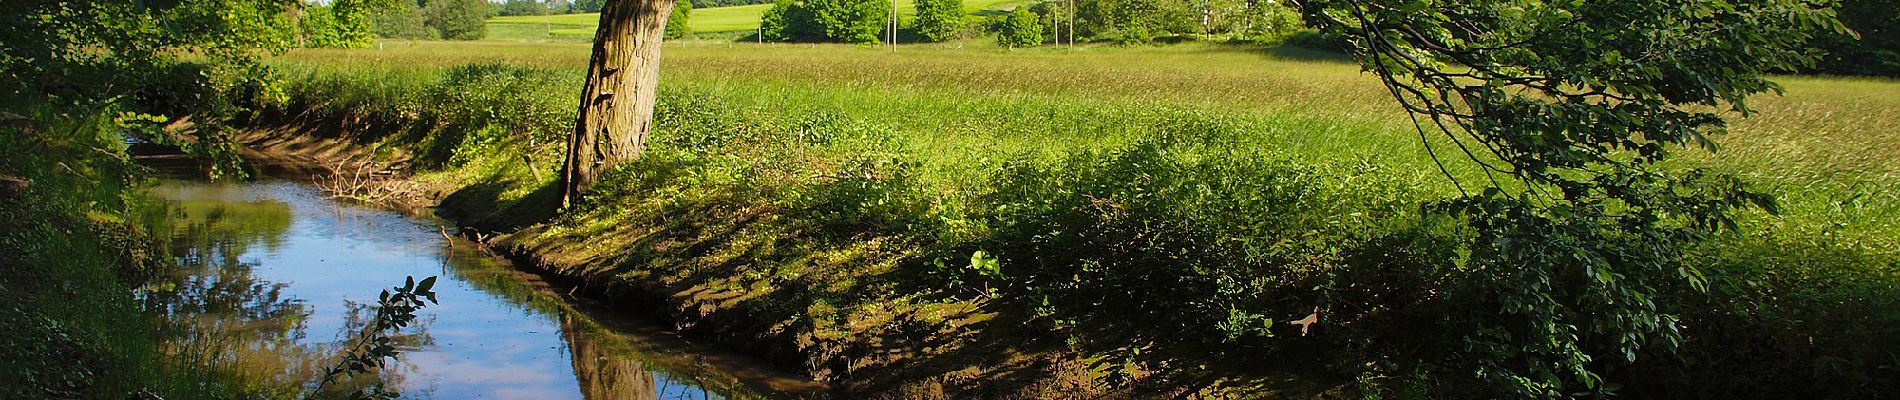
616	107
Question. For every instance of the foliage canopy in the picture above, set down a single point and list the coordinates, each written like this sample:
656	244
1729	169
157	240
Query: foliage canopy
1020	28
850	21
676	24
343	23
1569	108
523	7
458	19
938	20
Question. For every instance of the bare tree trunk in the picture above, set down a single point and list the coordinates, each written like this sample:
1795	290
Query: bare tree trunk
616	108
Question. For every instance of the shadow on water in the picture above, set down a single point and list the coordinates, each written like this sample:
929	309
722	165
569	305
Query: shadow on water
272	277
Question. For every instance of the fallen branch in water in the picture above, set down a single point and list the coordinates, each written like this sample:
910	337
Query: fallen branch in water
367	181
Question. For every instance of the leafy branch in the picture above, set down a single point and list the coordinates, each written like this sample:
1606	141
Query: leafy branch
1568	109
370	351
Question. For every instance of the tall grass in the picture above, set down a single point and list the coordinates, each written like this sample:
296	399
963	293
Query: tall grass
850	209
1815	141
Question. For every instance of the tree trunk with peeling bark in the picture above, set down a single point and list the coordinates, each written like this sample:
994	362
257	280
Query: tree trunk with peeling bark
616	107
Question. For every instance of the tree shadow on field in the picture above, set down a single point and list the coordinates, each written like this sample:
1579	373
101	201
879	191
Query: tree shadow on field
1296	53
838	295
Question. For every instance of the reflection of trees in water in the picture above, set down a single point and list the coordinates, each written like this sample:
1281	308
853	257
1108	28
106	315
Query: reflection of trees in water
220	318
500	281
242	223
606	366
603	375
606	370
217	311
213	311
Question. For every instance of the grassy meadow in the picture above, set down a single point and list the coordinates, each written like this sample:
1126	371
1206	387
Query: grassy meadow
704	21
844	208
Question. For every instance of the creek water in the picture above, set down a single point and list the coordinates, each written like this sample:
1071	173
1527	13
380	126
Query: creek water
276	276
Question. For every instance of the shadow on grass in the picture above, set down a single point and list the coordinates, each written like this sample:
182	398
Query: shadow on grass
482	205
1305	54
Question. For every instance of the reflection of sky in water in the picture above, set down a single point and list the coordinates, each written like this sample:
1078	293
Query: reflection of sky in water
479	345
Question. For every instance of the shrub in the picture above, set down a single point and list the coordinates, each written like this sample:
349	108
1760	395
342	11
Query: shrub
1133	34
1787	315
1182	245
1313	39
1020	28
319	27
495	108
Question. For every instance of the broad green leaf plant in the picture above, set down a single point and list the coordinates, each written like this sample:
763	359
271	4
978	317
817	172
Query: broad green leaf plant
371	350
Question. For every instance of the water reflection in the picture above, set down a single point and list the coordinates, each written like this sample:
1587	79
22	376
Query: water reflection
603	377
274	277
605	372
214	307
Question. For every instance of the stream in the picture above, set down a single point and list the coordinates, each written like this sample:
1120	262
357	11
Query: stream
274	276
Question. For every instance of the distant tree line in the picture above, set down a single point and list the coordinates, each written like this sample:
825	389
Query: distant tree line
357	23
1143	21
534	7
1875	50
728	3
526	7
1118	21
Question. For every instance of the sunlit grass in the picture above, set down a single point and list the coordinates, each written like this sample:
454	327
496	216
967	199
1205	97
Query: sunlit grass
1822	126
1824	142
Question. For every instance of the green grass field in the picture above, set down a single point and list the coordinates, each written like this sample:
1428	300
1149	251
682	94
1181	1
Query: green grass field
827	184
1821	128
1818	143
704	20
